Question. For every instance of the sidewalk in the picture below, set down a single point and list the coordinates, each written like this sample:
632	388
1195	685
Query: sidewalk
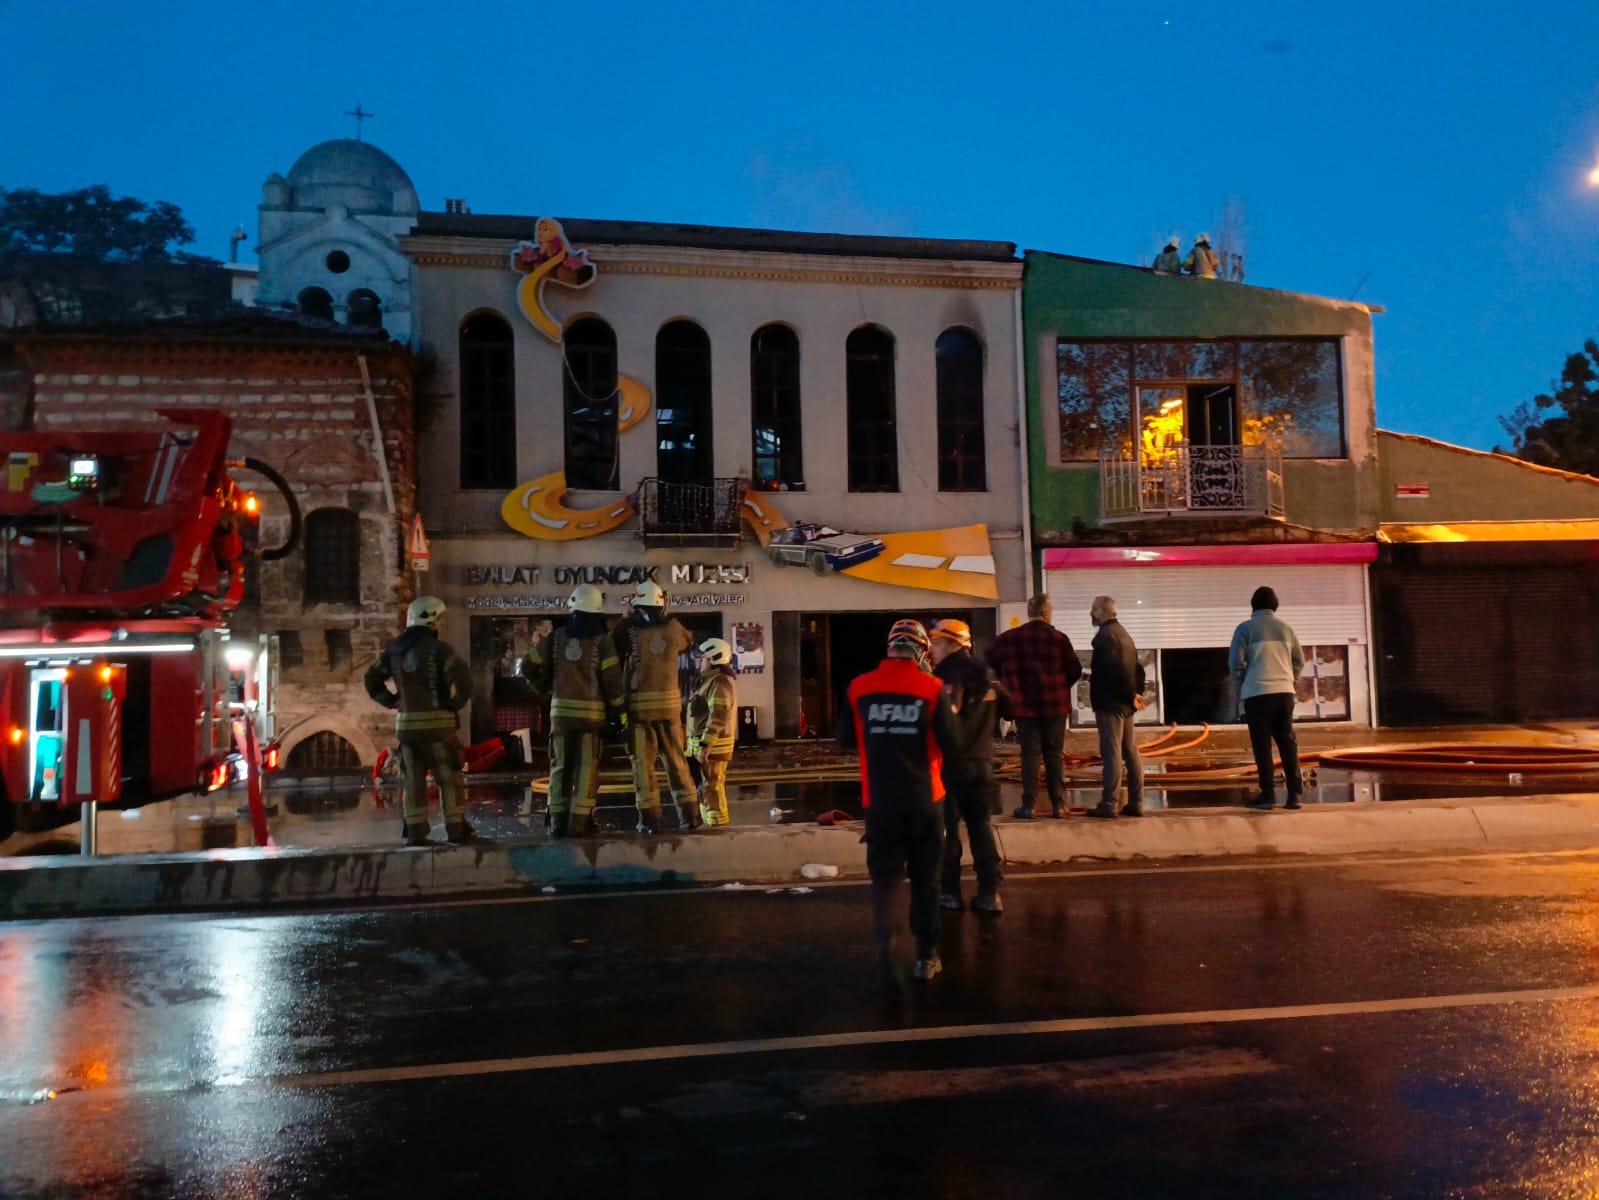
338	846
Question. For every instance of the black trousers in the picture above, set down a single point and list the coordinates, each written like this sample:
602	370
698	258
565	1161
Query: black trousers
905	839
1271	719
966	799
1044	736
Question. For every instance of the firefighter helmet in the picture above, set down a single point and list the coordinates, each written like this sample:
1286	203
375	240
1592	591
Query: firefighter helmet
1173	242
908	633
650	595
425	610
1202	240
955	631
717	652
587	598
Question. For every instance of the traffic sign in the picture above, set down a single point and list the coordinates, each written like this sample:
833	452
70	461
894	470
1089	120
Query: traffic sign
417	549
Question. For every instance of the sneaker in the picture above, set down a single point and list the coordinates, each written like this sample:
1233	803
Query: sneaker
1293	802
988	902
560	824
1262	803
460	831
1133	810
1060	810
926	968
1023	813
583	827
951	901
688	817
415	835
649	821
1099	810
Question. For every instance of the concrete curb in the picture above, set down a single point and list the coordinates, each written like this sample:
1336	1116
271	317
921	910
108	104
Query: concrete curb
253	879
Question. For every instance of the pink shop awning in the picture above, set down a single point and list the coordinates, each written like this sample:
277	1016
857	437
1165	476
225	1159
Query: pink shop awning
1071	557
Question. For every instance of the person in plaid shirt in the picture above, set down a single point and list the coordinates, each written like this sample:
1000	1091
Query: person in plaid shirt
1038	667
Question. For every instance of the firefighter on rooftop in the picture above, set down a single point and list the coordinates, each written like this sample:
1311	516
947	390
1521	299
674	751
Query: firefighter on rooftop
578	667
649	644
710	726
432	684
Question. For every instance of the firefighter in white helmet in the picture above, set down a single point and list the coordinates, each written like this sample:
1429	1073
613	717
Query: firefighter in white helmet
1170	260
711	713
578	668
432	684
649	644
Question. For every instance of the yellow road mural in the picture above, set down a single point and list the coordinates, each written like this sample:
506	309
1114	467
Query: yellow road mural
942	560
535	510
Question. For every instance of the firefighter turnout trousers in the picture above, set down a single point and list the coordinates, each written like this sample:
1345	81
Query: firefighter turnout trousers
441	755
575	773
663	739
713	792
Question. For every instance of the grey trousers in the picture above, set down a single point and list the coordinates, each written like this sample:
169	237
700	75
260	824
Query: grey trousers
1118	749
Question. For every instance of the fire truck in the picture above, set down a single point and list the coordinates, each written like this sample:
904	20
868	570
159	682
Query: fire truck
122	555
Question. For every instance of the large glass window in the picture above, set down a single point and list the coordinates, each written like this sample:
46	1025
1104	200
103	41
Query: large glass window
873	437
332	557
488	404
589	387
962	462
683	404
775	408
1218	393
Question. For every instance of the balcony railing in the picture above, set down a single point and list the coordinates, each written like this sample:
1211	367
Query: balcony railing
1194	480
690	514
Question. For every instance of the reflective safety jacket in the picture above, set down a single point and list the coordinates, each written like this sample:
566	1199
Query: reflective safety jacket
432	684
582	675
710	713
899	718
649	654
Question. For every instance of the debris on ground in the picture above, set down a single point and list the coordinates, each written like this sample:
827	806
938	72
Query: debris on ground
819	871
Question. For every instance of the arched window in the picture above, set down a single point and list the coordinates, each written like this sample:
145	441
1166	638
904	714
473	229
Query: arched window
775	407
324	751
873	439
315	302
962	463
332	557
683	404
488	404
364	309
589	386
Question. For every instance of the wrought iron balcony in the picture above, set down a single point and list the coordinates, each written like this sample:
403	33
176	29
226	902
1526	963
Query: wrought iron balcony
691	514
1205	481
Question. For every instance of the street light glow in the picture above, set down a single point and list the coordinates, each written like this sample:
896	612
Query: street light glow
1593	177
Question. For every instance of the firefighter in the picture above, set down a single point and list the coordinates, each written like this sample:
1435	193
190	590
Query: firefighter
432	684
899	719
649	644
976	701
578	667
1170	260
1202	261
710	726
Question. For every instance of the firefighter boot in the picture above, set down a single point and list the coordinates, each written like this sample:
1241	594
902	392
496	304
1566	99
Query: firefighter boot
688	815
583	827
415	835
649	820
560	824
460	830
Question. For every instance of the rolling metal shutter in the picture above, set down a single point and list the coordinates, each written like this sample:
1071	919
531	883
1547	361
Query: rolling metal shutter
1195	606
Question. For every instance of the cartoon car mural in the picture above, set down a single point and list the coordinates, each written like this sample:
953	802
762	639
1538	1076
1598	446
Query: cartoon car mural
821	547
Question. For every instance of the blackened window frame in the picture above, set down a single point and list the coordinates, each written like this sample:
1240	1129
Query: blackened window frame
487	364
590	403
775	409
333	557
962	444
871	418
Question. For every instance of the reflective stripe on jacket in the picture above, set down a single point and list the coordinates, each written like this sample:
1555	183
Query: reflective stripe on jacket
582	675
711	710
432	683
650	653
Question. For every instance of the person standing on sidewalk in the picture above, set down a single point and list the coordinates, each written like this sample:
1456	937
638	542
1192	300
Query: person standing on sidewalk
1116	690
974	702
432	684
1265	659
1038	667
579	668
711	712
649	644
899	720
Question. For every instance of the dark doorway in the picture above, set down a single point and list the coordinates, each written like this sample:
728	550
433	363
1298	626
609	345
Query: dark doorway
1197	687
1212	416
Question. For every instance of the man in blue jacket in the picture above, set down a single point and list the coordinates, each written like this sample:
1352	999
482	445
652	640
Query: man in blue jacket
1265	659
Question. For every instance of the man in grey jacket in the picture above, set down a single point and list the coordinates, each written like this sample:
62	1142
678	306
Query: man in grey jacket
1265	660
1116	691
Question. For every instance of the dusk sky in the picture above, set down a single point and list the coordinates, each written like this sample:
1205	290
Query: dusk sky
1432	159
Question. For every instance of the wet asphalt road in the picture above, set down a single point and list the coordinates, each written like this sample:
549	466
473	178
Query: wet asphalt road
1365	1028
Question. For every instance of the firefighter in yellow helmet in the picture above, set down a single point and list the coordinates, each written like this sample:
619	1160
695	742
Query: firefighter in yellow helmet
711	711
649	644
578	668
432	684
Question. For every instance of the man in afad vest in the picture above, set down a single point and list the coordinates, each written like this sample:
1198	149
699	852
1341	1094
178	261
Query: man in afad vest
432	684
710	726
578	668
899	719
649	644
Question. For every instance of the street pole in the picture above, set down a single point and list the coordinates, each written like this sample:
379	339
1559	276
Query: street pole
87	840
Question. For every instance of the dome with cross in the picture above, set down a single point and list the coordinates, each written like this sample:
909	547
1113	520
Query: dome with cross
355	174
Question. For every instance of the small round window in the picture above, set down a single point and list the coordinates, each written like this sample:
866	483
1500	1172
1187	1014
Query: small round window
338	262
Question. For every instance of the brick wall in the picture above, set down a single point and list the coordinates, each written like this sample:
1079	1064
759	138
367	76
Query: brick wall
303	409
